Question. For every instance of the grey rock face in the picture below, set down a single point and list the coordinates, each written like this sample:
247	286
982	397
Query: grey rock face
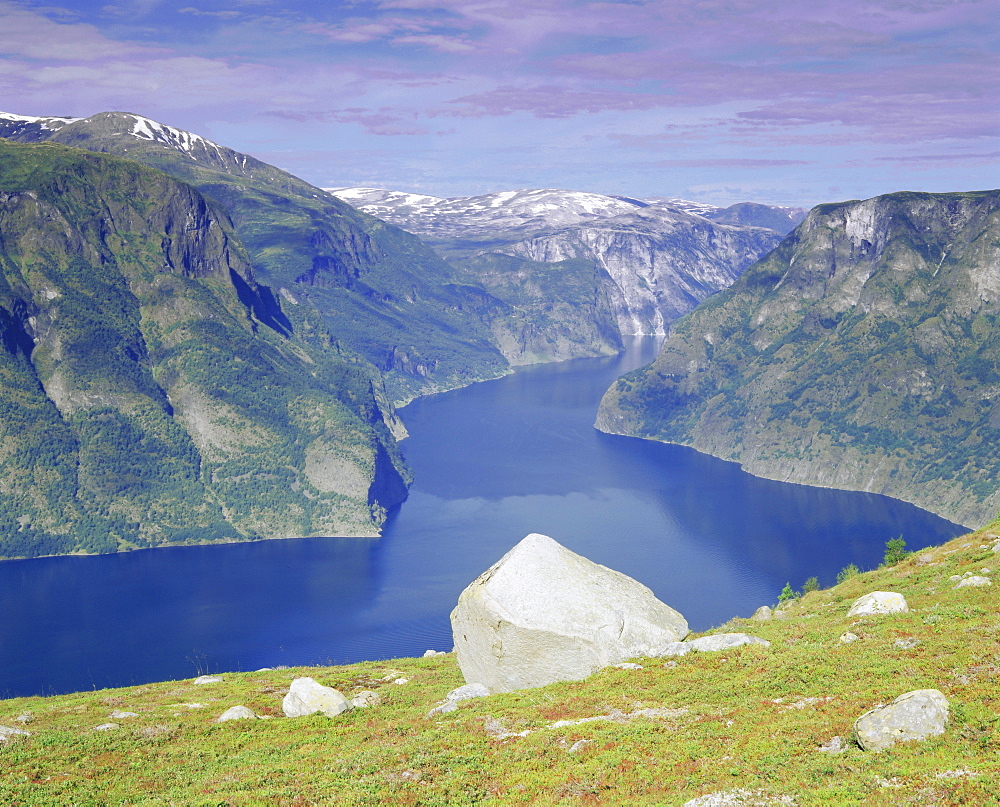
709	644
306	696
762	614
662	261
879	602
543	613
914	715
236	713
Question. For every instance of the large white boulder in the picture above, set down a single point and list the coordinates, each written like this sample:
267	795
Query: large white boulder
306	696
543	613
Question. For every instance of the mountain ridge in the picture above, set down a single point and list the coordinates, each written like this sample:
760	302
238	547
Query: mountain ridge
861	354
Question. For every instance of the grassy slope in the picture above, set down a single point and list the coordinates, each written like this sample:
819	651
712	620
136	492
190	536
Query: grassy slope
747	723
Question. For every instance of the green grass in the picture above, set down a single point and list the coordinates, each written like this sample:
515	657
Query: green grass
751	718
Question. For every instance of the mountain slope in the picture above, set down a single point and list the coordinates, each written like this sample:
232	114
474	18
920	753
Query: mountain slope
861	354
345	279
146	400
634	266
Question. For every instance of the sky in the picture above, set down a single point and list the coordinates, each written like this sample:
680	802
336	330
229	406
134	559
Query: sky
788	102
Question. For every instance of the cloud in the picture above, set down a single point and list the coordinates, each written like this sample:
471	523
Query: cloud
29	35
732	162
990	156
549	102
196	12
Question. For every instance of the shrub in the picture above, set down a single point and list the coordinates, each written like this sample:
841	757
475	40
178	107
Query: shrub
849	571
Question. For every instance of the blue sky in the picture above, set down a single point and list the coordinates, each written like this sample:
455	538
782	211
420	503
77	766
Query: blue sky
777	101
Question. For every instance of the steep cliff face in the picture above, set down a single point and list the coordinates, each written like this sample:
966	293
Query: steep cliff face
578	270
861	354
346	280
144	400
661	262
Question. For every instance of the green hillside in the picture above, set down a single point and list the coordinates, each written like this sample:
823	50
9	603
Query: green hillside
344	279
150	394
861	354
749	724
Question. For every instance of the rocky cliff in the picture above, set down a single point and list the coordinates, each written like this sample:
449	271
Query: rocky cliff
579	270
861	354
150	392
657	263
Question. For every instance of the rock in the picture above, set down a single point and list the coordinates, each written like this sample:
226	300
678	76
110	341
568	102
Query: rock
914	715
847	638
236	713
107	727
628	665
117	715
879	602
709	644
974	581
27	717
907	643
366	699
430	653
762	614
401	681
835	745
543	613
207	679
305	697
462	693
6	732
467	691
739	798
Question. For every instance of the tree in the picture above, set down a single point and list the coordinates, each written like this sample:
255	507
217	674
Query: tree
895	551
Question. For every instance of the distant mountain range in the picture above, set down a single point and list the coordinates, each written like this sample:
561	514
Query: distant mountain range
645	263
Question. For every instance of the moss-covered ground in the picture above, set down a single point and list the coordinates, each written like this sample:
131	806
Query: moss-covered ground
751	720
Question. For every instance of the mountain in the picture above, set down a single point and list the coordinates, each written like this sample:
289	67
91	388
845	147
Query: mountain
861	354
342	279
629	267
152	392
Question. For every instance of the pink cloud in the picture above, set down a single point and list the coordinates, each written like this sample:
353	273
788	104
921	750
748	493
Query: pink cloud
549	102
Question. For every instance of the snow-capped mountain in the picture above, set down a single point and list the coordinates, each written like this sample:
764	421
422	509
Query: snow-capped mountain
652	261
475	216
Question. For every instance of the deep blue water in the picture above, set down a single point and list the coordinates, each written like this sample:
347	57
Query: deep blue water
493	462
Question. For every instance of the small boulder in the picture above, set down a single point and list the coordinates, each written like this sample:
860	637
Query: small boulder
879	602
365	699
543	613
107	727
236	713
762	614
432	653
974	581
711	644
118	715
462	693
207	679
306	696
914	715
848	638
6	732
